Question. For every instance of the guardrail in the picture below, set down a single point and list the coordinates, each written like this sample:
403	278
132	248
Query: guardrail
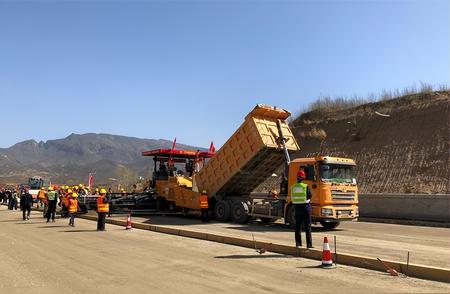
419	207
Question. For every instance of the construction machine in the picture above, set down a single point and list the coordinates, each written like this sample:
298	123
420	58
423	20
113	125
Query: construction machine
251	155
35	184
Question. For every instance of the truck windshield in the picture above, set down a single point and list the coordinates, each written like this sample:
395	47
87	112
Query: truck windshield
337	173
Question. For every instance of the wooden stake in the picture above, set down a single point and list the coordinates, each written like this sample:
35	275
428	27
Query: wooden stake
335	252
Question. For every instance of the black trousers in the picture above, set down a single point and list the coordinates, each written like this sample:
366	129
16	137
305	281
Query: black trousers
51	211
26	210
205	215
303	220
101	221
64	211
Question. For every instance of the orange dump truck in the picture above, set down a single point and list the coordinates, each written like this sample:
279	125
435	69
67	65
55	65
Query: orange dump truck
251	155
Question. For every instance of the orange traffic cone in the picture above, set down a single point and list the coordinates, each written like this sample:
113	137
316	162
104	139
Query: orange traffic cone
327	261
128	227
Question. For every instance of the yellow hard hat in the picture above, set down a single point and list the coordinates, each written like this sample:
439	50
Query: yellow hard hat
96	189
74	195
69	191
102	191
66	187
80	185
42	188
50	188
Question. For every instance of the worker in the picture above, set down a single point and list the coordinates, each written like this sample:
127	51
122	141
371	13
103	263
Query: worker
65	203
52	199
26	202
204	206
301	197
40	197
14	197
73	208
102	210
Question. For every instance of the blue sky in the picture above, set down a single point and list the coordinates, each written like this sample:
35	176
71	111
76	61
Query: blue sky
194	69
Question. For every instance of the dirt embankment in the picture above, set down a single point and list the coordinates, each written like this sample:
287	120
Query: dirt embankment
405	152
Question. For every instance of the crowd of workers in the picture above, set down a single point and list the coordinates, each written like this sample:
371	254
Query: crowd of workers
49	199
68	201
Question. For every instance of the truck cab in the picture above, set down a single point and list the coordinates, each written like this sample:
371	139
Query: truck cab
332	183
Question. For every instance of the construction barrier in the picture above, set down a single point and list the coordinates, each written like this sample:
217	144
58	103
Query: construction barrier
417	207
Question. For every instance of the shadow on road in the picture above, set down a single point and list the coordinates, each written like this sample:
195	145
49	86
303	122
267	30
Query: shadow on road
256	227
175	220
78	231
259	227
9	221
51	227
309	266
252	256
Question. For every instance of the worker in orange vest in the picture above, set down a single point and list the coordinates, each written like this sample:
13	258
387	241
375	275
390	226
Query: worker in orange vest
40	197
73	208
204	206
65	203
102	210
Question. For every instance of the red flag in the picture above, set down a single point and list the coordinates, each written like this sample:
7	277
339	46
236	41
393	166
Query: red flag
174	143
91	180
212	149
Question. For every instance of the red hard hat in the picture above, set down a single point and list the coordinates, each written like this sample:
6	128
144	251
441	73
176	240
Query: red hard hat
301	174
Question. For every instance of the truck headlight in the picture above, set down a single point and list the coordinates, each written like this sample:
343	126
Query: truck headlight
326	211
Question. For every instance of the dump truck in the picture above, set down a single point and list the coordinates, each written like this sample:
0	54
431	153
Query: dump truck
251	155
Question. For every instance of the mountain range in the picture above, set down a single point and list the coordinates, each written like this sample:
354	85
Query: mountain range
113	158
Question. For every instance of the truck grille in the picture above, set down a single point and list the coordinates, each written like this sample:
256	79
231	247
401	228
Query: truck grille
342	196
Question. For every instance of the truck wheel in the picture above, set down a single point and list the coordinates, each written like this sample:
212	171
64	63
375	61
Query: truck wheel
290	217
329	226
239	212
222	211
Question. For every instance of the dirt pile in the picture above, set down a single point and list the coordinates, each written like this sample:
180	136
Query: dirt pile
400	145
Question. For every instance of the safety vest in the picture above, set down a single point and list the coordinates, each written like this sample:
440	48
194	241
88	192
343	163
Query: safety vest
73	205
204	201
102	207
51	196
41	194
298	193
66	200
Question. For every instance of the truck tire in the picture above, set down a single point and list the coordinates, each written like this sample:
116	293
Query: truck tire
239	212
222	211
290	217
329	226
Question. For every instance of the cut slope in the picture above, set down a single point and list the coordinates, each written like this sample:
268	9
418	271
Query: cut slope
405	152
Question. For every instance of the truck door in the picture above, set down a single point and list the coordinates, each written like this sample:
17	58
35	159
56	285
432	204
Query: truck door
311	181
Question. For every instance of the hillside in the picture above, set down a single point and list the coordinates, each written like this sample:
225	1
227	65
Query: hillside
69	160
407	152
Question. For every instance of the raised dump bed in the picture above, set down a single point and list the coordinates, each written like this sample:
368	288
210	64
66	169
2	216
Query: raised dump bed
249	156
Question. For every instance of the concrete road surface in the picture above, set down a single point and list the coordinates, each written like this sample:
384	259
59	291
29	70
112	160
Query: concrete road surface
427	245
37	257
